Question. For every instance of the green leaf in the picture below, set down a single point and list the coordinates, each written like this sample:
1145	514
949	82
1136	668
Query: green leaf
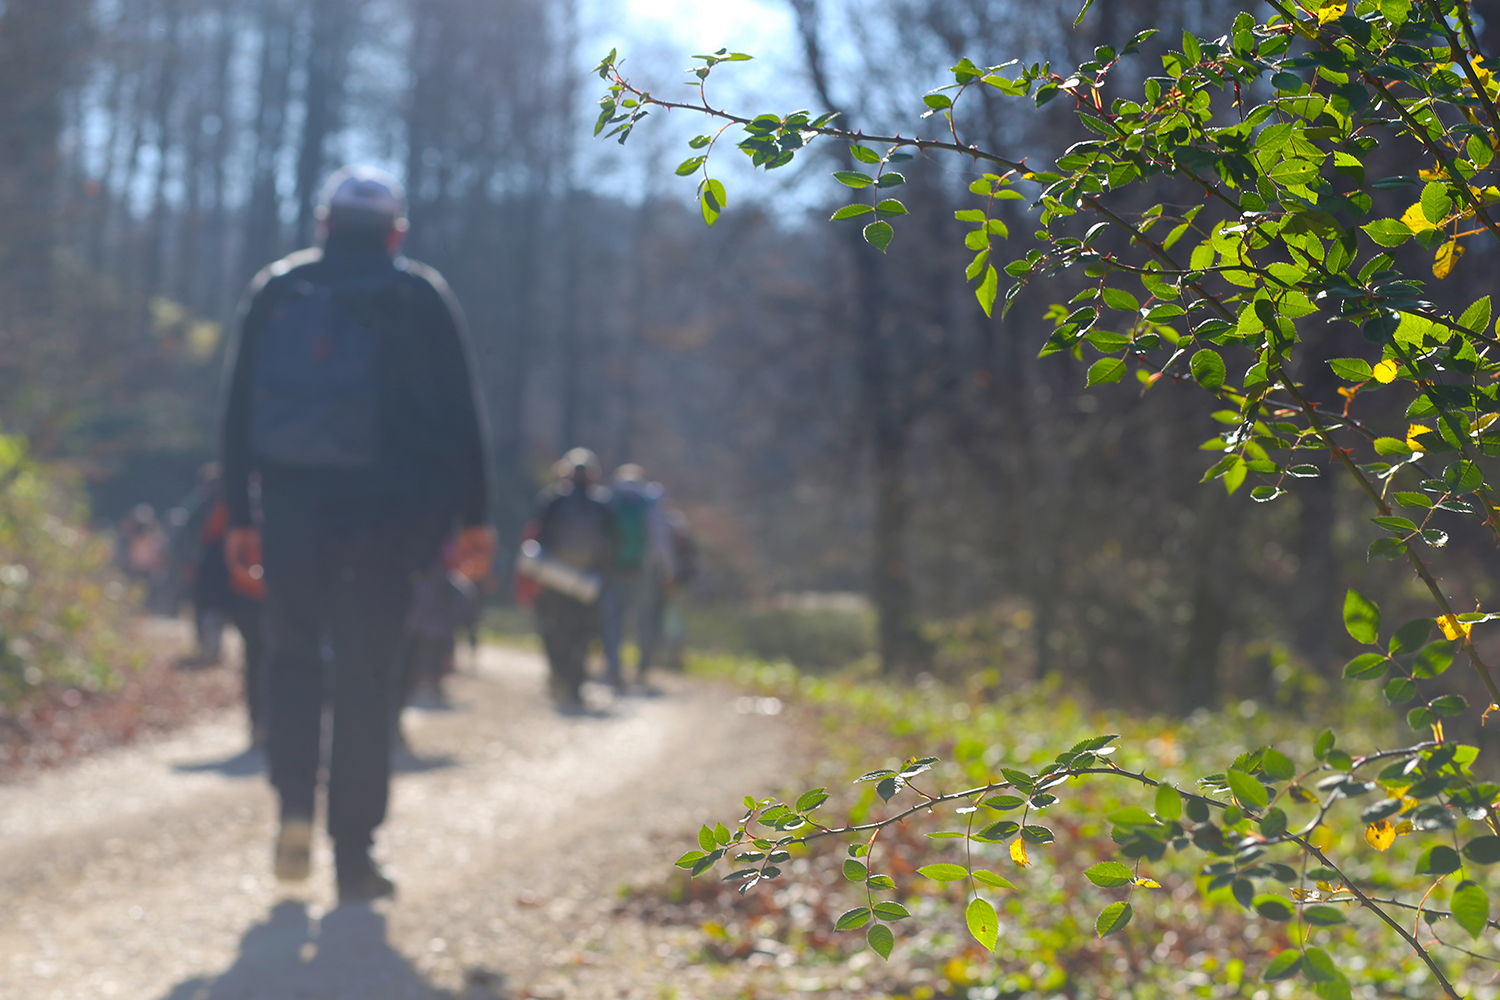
1273	907
850	212
855	871
1352	369
1284	966
986	877
706	838
1324	743
851	919
711	200
1366	666
853	178
1208	368
1483	850
1439	859
1392	446
881	940
693	857
1118	298
690	165
1168	802
864	154
1434	659
1317	967
944	872
1436	201
1106	370
878	235
1131	816
1387	232
1471	908
1113	918
1448	705
1411	636
1399	690
1109	874
1277	765
1247	788
891	910
1361	618
1477	317
890	206
1322	916
987	290
982	922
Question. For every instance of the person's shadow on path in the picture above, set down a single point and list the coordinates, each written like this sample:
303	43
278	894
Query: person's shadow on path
344	956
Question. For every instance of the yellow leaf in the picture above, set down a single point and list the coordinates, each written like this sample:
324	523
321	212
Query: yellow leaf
1148	883
1325	886
1385	372
1414	432
1484	421
1331	10
1447	256
1435	174
1018	852
1380	835
1453	628
1415	220
1407	805
1301	894
1404	827
1347	391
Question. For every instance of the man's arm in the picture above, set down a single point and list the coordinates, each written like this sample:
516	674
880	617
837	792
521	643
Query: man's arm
459	393
235	423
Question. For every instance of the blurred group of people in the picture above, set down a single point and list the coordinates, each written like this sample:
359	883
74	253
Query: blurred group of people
603	563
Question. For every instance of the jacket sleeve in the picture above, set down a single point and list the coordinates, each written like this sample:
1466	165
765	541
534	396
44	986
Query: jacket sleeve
458	389
235	422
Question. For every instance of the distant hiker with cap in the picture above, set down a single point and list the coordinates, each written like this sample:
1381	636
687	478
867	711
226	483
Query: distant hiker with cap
642	567
568	547
351	397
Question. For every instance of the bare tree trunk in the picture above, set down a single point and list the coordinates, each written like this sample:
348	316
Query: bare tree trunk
262	222
38	39
216	245
1215	547
166	93
903	652
325	67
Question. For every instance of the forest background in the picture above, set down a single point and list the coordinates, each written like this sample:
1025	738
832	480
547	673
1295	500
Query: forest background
831	419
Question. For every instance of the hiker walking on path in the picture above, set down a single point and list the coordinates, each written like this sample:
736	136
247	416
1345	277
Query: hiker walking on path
642	567
570	545
350	395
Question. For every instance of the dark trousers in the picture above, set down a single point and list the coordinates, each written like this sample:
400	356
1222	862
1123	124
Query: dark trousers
567	627
344	576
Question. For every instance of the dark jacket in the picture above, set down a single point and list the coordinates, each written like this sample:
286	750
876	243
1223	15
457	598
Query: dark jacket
575	525
431	462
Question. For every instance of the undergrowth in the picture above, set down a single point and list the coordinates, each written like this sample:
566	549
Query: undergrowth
1185	941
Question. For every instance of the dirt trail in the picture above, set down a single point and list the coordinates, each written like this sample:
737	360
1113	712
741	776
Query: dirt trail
144	873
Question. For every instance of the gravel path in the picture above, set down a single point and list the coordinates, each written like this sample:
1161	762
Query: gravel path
144	873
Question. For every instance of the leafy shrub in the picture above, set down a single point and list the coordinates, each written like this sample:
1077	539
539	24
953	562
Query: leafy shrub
814	632
1284	233
63	610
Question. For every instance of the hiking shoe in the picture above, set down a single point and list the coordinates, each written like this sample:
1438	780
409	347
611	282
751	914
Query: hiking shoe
366	885
294	850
